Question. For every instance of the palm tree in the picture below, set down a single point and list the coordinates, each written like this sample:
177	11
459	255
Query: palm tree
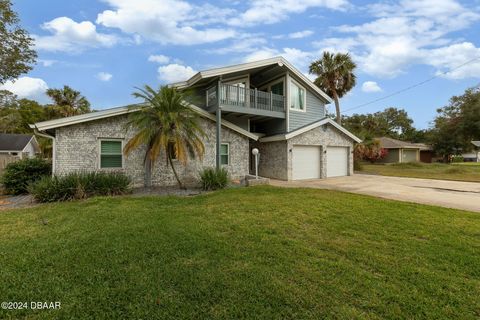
68	102
165	124
334	76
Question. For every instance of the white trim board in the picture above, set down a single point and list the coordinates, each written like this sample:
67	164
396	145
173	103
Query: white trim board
252	65
287	136
68	121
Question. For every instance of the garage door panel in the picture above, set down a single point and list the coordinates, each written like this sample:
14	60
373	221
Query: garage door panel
337	161
306	162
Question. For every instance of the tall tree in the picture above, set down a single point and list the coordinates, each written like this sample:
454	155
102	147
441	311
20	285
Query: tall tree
69	102
457	124
165	124
391	122
16	53
335	76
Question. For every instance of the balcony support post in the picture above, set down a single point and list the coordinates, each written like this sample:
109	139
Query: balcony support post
271	101
218	138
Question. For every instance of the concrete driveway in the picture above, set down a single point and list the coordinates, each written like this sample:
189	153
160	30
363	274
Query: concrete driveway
449	194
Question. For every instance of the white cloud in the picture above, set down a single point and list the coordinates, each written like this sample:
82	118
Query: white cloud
68	35
27	87
104	76
159	58
174	73
371	86
295	35
47	63
300	34
167	21
410	32
449	58
297	57
272	11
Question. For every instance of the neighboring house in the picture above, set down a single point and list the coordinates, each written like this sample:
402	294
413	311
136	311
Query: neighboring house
402	151
473	156
19	145
266	104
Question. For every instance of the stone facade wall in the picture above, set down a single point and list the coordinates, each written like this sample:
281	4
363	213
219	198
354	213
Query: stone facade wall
77	148
324	138
273	159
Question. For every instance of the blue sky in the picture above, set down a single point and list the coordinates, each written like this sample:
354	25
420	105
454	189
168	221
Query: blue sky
105	48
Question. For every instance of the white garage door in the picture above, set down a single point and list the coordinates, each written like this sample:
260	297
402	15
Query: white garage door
306	162
337	161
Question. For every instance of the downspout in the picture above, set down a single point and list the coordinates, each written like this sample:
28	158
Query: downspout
42	134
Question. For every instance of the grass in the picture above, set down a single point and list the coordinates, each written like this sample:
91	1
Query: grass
259	252
455	171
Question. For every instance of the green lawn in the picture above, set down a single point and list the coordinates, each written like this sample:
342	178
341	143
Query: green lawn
259	252
455	171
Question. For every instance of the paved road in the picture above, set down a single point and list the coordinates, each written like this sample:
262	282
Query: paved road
449	194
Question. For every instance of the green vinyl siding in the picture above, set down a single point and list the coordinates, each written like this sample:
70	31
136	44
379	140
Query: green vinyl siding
111	154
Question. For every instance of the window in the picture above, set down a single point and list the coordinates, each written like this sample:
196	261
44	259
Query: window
297	97
111	154
277	88
224	154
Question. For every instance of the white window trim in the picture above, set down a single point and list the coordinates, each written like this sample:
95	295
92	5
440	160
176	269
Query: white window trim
268	86
304	97
100	153
228	153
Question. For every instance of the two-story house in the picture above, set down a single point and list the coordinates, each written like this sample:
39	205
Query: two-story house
266	104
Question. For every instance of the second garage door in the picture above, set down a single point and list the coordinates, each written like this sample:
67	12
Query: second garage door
337	161
306	162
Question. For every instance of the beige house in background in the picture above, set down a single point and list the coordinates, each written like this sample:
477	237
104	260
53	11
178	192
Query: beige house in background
402	151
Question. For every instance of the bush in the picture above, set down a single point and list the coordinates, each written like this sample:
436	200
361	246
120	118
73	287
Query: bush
370	151
80	185
18	175
213	179
457	159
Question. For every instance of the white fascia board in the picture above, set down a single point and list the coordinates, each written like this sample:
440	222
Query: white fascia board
252	65
68	121
314	125
51	124
307	81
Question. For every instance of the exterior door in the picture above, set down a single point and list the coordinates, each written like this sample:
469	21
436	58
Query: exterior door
306	162
337	161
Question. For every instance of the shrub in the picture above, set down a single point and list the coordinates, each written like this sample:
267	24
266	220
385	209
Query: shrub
213	179
80	185
457	159
370	151
18	175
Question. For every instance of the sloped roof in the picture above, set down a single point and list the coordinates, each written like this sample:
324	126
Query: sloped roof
289	135
68	121
390	143
476	143
252	65
14	142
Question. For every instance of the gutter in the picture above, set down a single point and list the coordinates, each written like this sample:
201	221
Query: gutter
45	135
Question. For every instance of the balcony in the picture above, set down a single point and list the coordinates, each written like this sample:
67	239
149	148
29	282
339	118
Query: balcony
238	99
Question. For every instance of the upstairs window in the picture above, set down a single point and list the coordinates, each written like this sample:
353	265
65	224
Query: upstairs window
277	88
111	154
297	97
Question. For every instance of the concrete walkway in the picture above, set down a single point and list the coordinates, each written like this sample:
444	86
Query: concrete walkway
449	194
